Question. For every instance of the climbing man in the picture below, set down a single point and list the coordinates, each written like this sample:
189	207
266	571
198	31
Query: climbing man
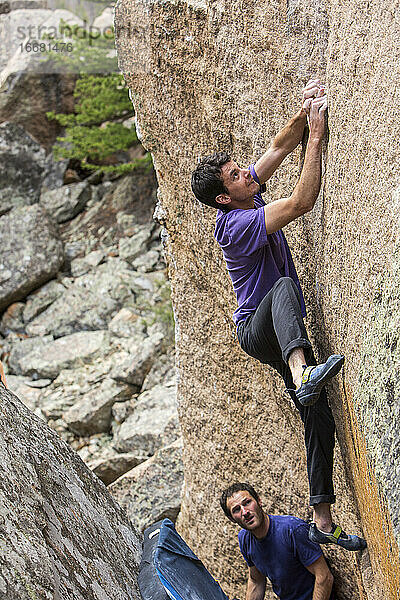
277	547
269	317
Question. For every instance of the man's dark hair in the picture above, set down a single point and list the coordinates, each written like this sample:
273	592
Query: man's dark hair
207	181
232	489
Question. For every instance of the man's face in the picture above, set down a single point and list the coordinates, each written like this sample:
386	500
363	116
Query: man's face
245	510
239	182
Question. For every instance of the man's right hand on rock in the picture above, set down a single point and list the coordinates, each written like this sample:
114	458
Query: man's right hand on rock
313	89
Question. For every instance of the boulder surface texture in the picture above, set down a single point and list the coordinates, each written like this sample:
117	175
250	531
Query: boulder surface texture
62	536
21	167
229	77
31	253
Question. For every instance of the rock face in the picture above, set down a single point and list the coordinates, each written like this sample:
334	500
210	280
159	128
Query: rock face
65	203
153	423
30	255
29	86
229	79
63	536
21	167
151	491
93	347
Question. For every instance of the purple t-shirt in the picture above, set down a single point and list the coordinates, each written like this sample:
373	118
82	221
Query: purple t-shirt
282	556
254	259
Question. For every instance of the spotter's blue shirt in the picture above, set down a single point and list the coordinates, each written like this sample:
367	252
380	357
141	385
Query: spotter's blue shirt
283	555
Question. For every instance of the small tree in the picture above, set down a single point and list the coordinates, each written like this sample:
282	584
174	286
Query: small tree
100	125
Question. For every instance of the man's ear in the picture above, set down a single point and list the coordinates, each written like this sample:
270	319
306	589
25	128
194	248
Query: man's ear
223	199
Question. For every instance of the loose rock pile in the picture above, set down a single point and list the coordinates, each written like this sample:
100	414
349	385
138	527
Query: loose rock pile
87	332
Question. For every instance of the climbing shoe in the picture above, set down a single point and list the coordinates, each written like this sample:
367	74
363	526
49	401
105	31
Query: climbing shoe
315	377
336	536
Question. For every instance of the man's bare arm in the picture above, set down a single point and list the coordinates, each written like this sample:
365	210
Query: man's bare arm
255	585
283	211
282	145
288	138
323	579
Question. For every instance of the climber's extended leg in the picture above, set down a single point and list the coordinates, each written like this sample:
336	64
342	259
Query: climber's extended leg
272	334
319	438
275	335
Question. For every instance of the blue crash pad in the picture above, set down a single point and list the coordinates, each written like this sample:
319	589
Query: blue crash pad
170	569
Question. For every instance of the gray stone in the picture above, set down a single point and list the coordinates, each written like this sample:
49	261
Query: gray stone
84	377
63	536
64	353
152	490
134	369
54	170
111	465
21	167
39	383
154	422
147	261
127	222
81	266
135	195
122	410
105	19
66	202
30	256
22	347
95	178
162	371
147	288
100	223
131	247
128	324
92	413
55	401
12	319
37	302
30	86
28	395
144	283
74	249
71	384
89	303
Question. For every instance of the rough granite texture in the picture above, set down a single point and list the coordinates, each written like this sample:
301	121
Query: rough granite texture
62	536
151	491
31	252
21	167
210	75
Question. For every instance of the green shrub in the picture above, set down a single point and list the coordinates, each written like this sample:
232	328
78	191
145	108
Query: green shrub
98	127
